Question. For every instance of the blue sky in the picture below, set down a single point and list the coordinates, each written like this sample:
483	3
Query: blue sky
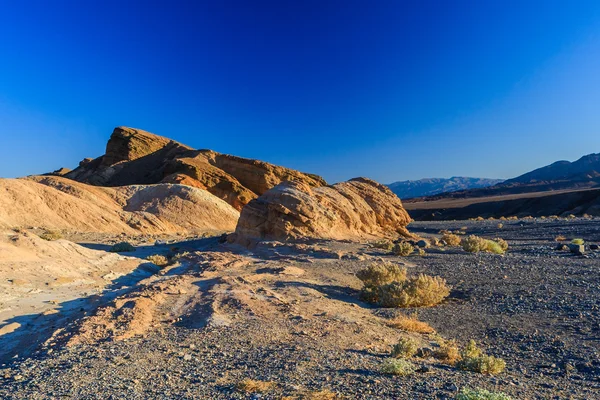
391	90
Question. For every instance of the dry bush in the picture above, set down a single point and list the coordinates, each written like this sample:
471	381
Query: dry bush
405	348
481	394
398	367
158	260
435	242
324	394
578	242
448	351
473	244
122	247
383	244
500	226
403	249
410	323
560	238
51	235
479	219
254	386
473	359
502	243
502	218
513	218
420	252
422	291
378	274
451	239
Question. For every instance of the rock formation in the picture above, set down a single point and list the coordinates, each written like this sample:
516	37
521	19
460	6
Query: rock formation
135	156
59	203
356	209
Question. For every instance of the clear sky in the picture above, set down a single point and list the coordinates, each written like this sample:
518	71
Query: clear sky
391	90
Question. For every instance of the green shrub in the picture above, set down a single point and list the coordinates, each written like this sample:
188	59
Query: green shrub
122	247
398	367
481	394
51	235
403	249
474	244
577	241
473	359
405	348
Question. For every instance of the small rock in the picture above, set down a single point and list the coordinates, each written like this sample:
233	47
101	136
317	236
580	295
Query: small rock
577	249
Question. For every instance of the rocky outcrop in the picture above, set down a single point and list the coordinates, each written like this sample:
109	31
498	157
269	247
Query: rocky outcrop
135	156
356	209
59	203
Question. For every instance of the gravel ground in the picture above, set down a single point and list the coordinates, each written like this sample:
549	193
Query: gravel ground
536	307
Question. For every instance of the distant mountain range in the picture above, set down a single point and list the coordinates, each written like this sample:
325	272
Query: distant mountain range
561	175
561	188
433	186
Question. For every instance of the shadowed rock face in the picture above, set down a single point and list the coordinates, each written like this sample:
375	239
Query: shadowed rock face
135	156
356	209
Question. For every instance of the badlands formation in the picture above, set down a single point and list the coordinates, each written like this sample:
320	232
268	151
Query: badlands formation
249	280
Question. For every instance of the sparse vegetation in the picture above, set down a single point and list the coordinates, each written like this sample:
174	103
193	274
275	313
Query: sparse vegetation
405	348
122	247
158	260
403	249
50	235
577	241
451	239
378	274
448	351
386	284
420	252
420	291
180	256
400	367
474	244
473	359
560	238
254	386
500	225
410	323
383	244
481	394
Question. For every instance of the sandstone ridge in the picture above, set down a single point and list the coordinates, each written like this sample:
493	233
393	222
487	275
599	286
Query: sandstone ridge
134	157
357	209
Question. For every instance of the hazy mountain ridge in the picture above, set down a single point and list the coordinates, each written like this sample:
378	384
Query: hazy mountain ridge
433	186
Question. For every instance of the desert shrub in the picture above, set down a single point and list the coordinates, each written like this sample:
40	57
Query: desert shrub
473	359
403	249
410	323
254	386
500	226
560	238
383	244
451	239
513	218
398	367
420	291
158	260
502	218
448	351
378	274
420	251
405	348
479	218
51	235
122	247
494	247
473	244
502	243
481	394
577	241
